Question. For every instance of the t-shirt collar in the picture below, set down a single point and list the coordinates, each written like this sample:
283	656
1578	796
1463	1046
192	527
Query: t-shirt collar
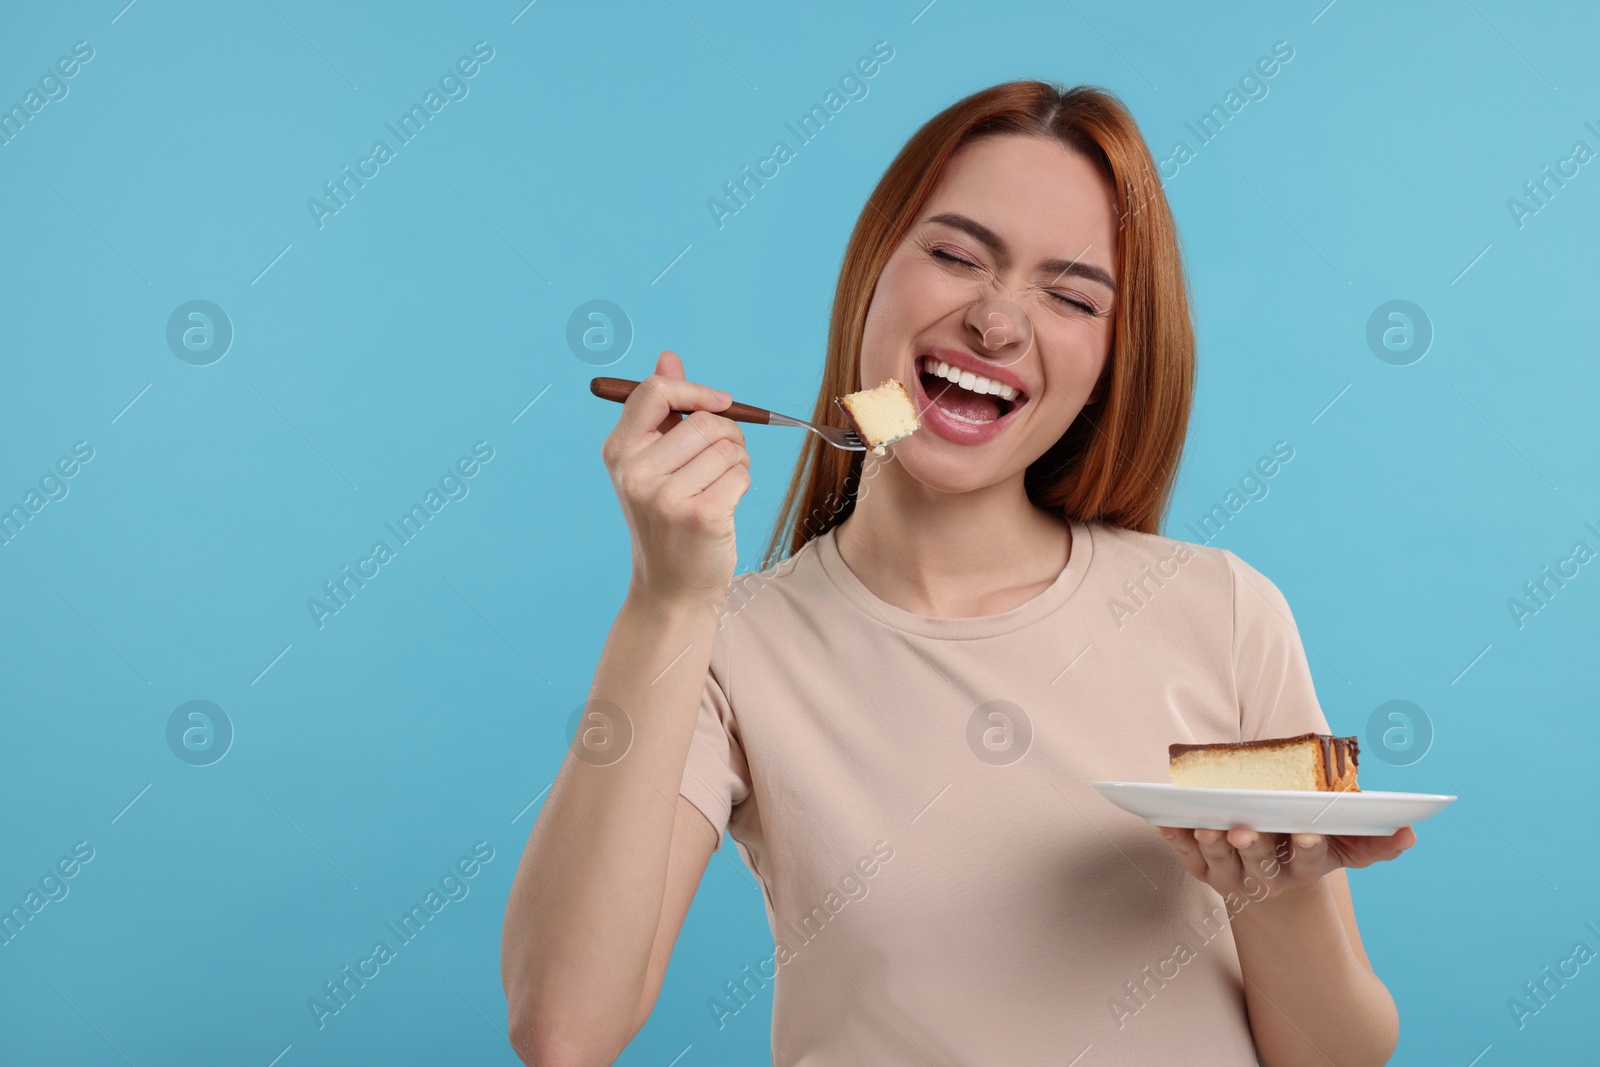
1045	602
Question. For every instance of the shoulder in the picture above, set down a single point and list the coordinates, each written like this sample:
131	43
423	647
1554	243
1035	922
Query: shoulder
1254	593
1212	578
1118	550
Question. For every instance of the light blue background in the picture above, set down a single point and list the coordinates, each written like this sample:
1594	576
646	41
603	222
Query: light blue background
432	310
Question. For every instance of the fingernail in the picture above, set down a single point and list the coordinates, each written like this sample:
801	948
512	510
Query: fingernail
1169	834
722	395
1307	840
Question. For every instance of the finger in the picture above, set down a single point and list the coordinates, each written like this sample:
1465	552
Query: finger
1364	851
729	486
1257	851
709	464
1387	848
700	432
1183	843
1222	860
655	398
1310	859
668	365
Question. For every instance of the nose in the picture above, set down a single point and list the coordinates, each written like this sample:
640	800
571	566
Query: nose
1005	331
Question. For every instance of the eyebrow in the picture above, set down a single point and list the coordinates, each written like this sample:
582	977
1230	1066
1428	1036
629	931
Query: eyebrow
997	245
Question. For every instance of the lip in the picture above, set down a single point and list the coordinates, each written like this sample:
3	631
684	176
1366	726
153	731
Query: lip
947	426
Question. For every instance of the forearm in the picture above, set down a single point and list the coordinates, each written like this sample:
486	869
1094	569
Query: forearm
586	902
1310	997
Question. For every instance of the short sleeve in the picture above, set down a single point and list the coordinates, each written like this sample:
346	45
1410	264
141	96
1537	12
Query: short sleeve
1271	676
715	776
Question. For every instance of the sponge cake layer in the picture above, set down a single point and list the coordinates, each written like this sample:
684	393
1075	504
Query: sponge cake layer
1313	762
882	414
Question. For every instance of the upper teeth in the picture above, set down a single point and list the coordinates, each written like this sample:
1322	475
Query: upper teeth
968	380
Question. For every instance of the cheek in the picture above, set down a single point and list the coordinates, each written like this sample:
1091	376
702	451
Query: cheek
1073	361
915	293
889	322
875	336
890	300
1074	354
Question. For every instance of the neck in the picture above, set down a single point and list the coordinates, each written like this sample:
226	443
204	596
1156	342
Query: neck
951	555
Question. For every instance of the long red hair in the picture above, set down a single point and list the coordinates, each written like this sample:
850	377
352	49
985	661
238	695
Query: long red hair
1117	461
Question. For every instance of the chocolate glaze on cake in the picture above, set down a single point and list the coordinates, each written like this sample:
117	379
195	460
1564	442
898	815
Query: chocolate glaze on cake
1330	746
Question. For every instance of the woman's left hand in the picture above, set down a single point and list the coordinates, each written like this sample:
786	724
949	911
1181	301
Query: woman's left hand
1224	859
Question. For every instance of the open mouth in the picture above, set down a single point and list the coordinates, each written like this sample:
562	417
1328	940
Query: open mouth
965	396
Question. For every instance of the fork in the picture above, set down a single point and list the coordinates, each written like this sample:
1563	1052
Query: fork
618	389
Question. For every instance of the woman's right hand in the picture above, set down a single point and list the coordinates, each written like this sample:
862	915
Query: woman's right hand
678	480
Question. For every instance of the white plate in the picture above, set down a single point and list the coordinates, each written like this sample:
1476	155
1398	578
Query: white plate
1368	813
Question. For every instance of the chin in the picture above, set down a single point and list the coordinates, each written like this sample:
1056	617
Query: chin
946	470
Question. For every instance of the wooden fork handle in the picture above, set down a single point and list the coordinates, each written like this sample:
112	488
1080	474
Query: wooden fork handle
618	389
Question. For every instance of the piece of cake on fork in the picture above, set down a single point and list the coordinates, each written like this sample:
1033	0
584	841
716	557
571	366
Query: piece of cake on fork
882	414
1316	762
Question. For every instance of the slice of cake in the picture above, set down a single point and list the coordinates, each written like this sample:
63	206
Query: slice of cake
1319	762
882	414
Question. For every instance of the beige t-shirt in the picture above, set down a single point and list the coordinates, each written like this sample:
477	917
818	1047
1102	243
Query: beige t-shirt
943	884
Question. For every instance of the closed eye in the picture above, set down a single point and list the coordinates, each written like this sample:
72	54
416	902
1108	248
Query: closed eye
939	253
1082	305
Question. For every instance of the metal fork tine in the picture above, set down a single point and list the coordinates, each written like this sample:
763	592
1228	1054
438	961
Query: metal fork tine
837	436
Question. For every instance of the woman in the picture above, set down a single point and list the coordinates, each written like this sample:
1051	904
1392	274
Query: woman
898	722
